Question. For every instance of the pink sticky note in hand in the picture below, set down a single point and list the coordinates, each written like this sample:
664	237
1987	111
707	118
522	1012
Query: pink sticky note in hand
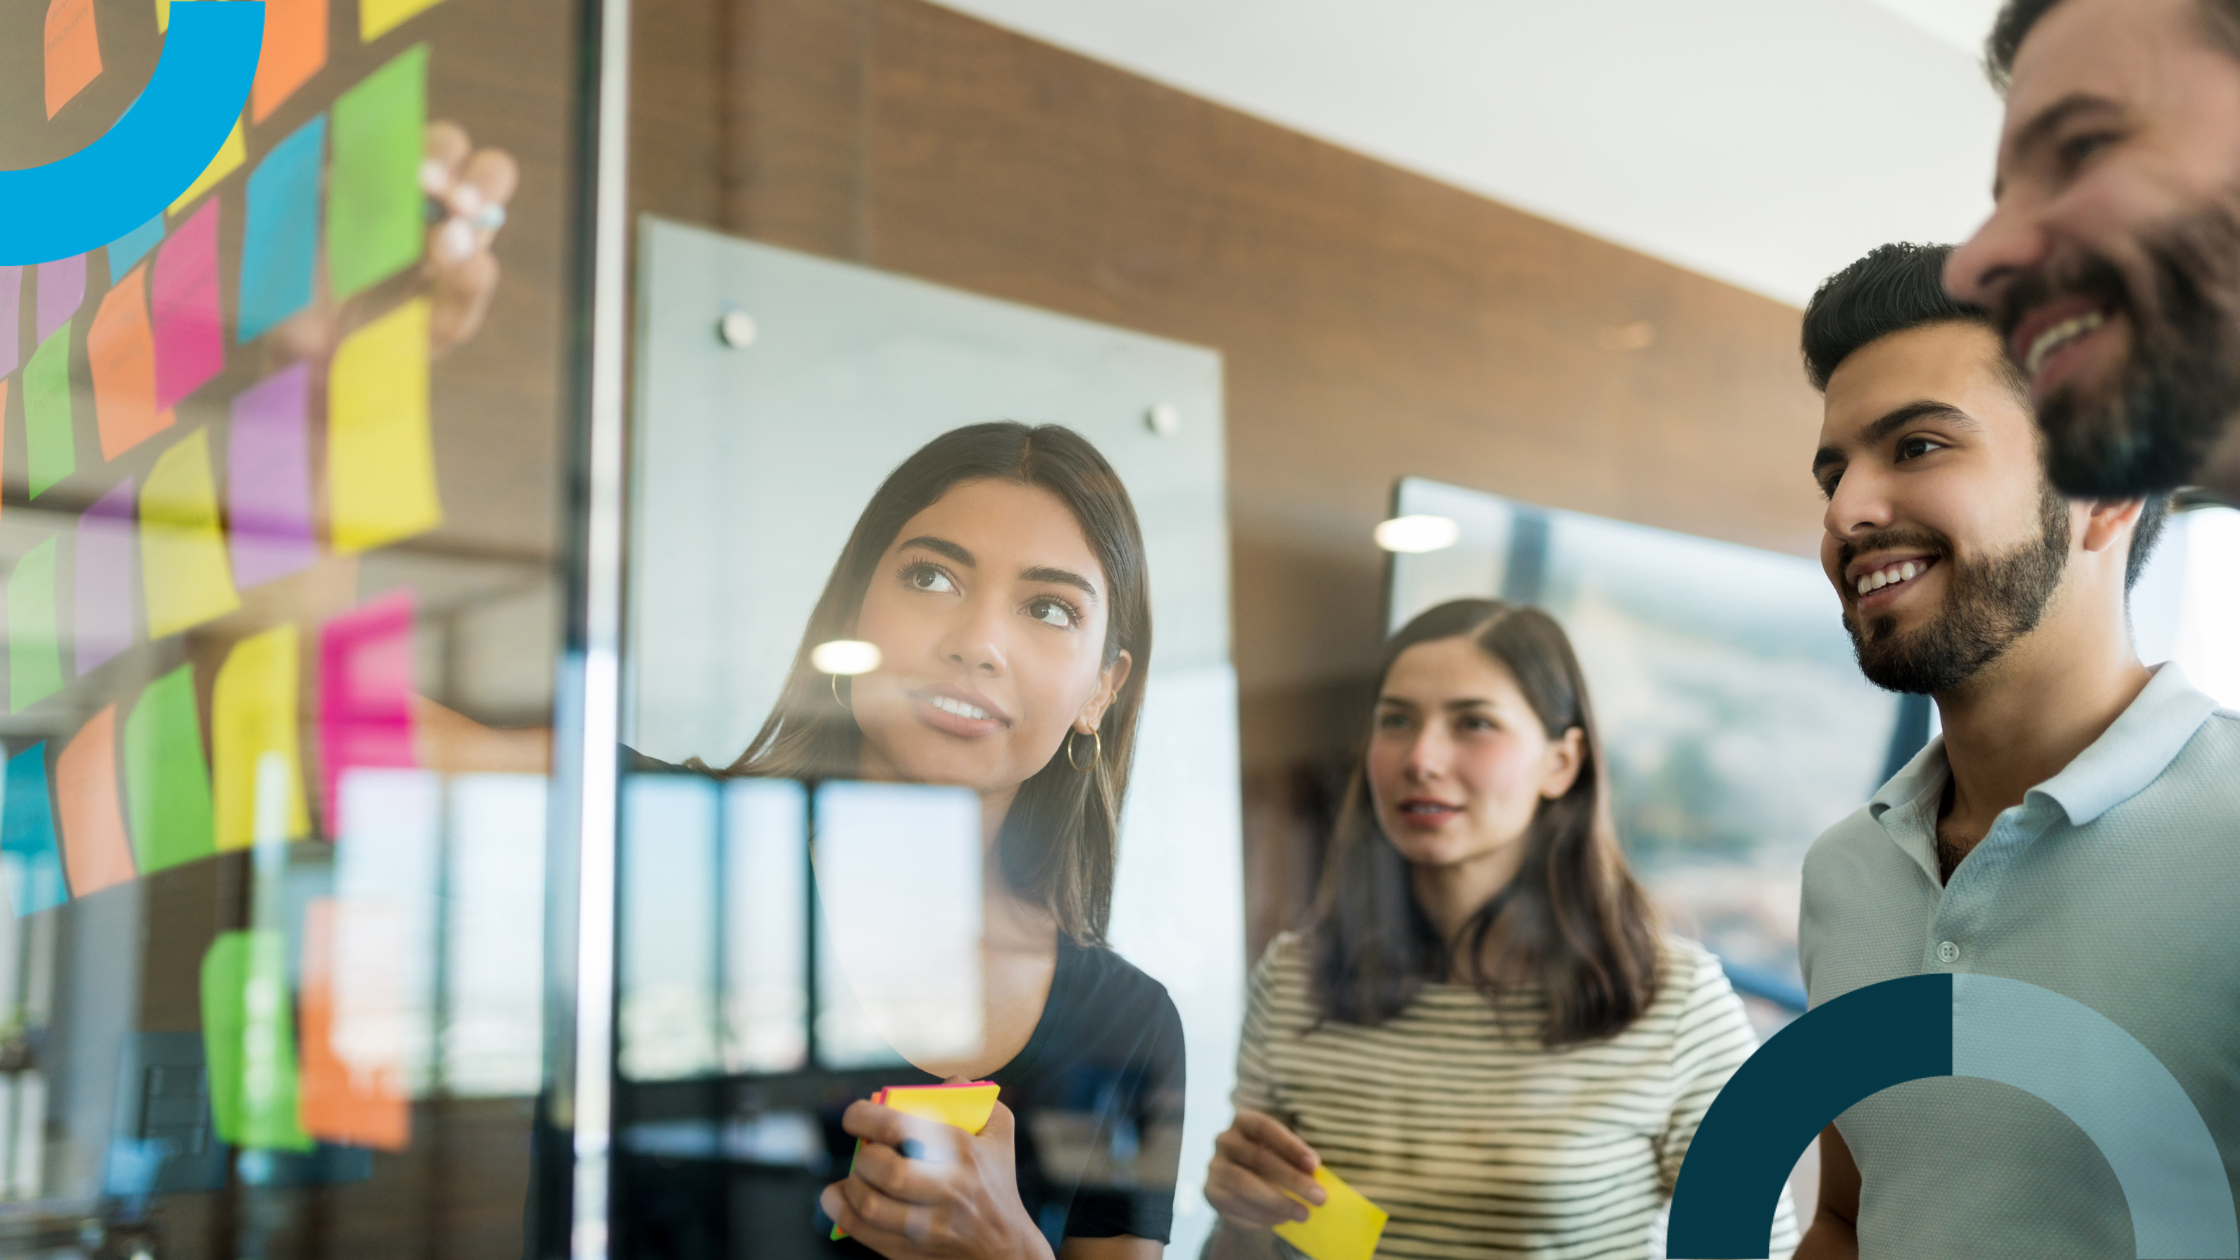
189	334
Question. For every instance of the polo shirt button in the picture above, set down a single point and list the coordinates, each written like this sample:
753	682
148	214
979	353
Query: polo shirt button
1948	953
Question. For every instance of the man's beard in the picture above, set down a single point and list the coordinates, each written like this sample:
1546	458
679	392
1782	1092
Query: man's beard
1989	604
2152	426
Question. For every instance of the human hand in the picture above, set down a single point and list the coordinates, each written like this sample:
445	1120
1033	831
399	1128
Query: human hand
924	1190
473	186
1258	1165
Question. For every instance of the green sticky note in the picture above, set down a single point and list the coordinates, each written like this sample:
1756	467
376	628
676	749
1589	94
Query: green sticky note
34	654
50	441
249	1041
376	226
166	776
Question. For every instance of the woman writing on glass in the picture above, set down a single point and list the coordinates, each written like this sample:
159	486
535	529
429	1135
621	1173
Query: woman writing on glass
1482	1030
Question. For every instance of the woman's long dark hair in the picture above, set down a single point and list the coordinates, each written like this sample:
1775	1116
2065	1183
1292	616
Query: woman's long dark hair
1573	924
1060	841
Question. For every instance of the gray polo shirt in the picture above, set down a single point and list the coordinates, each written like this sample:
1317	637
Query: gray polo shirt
2116	883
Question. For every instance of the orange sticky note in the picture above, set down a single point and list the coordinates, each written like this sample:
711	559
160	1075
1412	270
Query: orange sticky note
1346	1226
73	51
95	851
295	48
122	352
352	999
964	1106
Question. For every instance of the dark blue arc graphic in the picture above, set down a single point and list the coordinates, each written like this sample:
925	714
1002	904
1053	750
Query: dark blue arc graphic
153	153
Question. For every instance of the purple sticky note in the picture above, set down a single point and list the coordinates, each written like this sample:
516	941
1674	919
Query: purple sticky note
11	314
62	290
105	579
190	343
268	479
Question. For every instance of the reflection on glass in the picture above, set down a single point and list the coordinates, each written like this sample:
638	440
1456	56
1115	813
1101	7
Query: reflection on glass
493	1044
766	899
668	959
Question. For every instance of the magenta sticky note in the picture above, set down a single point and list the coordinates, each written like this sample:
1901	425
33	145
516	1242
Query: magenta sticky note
268	479
365	694
105	580
62	290
190	340
11	316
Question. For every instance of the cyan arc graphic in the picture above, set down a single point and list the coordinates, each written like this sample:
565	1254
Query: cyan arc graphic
153	153
2018	1034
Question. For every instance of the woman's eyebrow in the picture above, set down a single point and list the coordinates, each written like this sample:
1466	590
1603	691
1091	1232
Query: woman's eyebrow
1470	702
1063	577
941	546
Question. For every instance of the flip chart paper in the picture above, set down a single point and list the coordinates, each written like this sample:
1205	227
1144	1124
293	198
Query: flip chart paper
295	47
377	18
95	852
62	290
73	51
1345	1227
134	245
190	340
32	862
960	1106
381	465
354	1023
34	653
248	1041
268	479
167	781
11	316
376	224
103	589
183	569
121	349
229	158
365	694
50	440
252	715
280	242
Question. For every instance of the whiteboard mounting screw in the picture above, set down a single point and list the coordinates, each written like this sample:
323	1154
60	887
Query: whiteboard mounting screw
737	329
1164	419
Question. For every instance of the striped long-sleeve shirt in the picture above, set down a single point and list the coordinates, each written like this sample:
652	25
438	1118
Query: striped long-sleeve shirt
1479	1142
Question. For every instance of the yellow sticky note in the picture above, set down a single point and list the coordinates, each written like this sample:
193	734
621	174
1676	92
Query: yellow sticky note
381	460
253	720
964	1107
183	566
1345	1227
163	15
231	155
377	18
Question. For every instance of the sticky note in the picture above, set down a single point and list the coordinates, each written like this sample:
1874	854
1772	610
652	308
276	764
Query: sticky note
11	316
295	47
183	307
268	479
365	694
163	15
28	853
121	350
1345	1227
183	571
248	1041
50	438
73	51
353	1003
34	652
95	852
134	245
62	290
381	464
376	224
253	714
166	779
280	236
377	18
964	1106
102	591
226	161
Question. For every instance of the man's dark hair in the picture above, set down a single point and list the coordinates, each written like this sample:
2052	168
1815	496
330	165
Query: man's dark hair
1898	288
2220	17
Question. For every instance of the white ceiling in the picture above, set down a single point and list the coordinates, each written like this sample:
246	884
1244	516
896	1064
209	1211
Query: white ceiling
1764	142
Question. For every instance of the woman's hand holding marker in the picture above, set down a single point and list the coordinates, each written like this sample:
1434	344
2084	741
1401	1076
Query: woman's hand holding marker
924	1190
1258	1165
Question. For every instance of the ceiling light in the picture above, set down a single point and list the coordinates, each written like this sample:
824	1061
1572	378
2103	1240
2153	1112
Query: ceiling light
1414	534
845	656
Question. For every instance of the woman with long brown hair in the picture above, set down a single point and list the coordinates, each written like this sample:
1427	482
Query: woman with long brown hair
1482	1029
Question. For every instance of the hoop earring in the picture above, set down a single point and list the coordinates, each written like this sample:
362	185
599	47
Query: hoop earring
1096	750
836	690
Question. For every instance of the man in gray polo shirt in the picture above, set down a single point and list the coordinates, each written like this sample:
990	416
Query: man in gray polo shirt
2077	825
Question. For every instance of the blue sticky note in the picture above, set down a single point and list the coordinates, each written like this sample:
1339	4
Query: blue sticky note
134	245
280	241
28	853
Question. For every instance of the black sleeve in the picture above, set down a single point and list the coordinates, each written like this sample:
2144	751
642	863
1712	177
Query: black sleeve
1128	1186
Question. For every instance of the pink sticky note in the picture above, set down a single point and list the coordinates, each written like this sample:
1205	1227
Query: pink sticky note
62	290
268	480
190	340
11	313
365	694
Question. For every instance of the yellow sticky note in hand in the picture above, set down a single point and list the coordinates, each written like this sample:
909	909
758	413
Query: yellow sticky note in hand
1346	1226
966	1107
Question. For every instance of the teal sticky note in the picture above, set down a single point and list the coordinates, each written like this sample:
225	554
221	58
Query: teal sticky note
50	440
28	853
248	1041
376	224
280	242
167	777
34	640
134	245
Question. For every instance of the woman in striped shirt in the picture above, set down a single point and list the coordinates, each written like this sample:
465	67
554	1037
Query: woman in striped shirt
1482	1030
